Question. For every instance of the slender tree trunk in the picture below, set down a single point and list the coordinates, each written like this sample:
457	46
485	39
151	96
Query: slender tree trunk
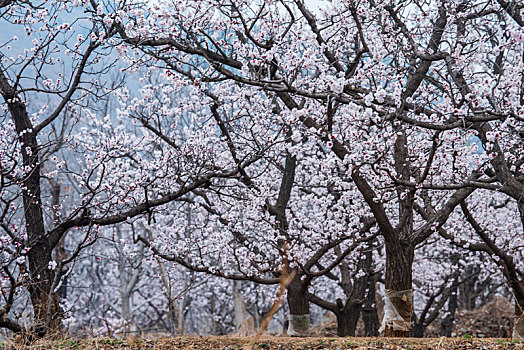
45	305
172	315
518	328
61	255
447	323
212	322
467	293
60	251
171	311
257	318
126	312
125	292
520	204
180	320
399	266
369	310
369	307
298	303
239	307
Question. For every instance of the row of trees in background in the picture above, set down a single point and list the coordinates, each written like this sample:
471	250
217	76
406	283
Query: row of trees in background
149	150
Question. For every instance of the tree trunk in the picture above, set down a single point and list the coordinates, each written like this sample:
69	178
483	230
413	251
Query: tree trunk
398	301
418	330
298	303
518	328
45	305
173	318
369	310
467	292
43	299
239	308
211	320
126	312
180	321
347	318
348	314
60	251
344	327
447	323
61	255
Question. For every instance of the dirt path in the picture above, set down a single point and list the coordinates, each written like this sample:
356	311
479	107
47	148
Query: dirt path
277	343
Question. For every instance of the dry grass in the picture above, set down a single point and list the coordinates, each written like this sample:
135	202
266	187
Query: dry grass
269	342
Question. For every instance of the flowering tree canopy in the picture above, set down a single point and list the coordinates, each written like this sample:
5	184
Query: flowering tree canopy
248	140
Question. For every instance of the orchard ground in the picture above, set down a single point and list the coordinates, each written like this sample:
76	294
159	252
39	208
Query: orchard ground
272	342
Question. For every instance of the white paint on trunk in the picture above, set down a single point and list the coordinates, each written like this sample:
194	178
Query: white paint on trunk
392	318
298	325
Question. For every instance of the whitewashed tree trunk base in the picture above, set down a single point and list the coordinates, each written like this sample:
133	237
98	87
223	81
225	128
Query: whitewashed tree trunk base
298	325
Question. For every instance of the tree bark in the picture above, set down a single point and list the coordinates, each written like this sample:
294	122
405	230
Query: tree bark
518	328
369	310
45	305
126	311
399	266
447	323
344	325
60	251
239	308
418	330
298	303
347	318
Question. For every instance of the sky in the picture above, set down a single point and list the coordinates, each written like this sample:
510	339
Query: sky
315	4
